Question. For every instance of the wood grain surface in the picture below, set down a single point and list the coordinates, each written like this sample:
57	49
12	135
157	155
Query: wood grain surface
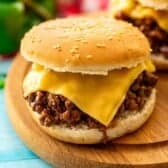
147	147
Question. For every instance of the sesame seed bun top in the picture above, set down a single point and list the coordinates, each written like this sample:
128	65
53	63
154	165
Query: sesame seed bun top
85	44
156	4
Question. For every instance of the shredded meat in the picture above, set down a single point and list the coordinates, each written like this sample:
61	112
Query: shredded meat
157	37
56	109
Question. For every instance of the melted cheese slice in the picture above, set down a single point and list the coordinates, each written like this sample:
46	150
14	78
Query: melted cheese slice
96	95
138	11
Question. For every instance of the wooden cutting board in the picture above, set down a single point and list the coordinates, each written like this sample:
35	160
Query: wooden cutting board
147	147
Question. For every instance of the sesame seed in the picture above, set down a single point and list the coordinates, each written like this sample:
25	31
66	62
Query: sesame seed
56	46
73	51
120	33
76	47
84	41
109	38
77	39
101	45
89	56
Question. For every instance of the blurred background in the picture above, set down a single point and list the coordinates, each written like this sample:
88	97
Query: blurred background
18	16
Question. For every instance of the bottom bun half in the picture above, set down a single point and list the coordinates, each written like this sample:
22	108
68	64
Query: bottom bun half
160	61
84	135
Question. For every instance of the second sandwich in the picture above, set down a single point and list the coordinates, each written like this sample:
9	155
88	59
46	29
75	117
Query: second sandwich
151	17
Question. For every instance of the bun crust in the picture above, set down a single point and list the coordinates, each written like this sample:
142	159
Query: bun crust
156	4
160	62
84	135
85	44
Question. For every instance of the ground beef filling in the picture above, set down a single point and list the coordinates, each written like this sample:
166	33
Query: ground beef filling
157	37
57	109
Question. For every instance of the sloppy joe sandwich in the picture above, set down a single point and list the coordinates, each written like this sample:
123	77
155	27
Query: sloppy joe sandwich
151	17
91	79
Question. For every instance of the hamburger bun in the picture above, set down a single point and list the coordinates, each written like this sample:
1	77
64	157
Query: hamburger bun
84	135
85	45
156	4
160	62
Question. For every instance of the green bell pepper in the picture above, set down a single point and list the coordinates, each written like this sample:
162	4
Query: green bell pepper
17	17
11	23
8	0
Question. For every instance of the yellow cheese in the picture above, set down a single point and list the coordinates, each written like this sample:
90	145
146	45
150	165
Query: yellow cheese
137	11
96	95
161	17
